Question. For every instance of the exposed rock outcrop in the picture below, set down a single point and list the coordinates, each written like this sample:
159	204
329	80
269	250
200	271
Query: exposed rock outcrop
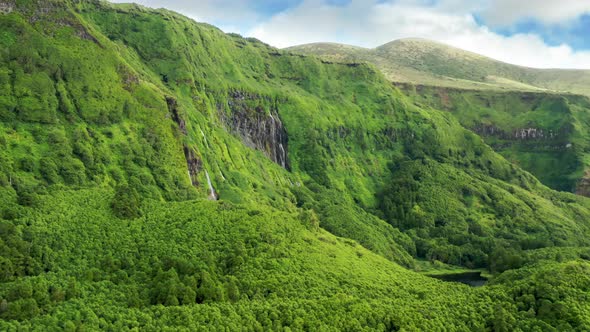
193	162
173	108
6	7
531	133
56	11
258	128
487	130
194	165
384	139
583	186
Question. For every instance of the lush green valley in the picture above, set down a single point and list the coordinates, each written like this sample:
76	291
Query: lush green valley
158	174
535	118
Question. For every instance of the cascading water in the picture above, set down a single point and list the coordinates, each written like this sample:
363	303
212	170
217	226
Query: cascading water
212	194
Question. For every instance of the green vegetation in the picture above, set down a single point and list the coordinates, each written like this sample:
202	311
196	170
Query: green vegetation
203	265
106	108
496	100
426	62
545	134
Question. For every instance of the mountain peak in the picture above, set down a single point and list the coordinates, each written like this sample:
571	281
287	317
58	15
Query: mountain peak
412	40
424	61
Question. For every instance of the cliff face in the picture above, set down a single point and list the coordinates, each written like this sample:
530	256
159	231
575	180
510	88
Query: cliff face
520	134
258	128
55	11
538	131
583	186
6	7
193	162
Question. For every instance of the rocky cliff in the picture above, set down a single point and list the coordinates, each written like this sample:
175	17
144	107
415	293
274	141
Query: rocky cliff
539	131
255	120
193	162
522	134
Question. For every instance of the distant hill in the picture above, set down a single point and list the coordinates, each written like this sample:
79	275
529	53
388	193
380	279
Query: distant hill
427	62
496	100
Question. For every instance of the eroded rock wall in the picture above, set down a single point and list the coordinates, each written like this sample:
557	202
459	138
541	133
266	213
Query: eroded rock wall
256	121
193	162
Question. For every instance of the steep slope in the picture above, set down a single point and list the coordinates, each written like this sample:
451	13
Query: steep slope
528	115
544	133
348	131
142	115
426	62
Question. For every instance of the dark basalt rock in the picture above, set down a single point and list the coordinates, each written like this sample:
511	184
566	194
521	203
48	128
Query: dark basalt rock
172	107
6	7
56	11
193	162
583	185
521	134
386	138
194	165
257	128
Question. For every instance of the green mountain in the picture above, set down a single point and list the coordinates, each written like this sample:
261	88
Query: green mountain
535	118
544	133
158	174
427	62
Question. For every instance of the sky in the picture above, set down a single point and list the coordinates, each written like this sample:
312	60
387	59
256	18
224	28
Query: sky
534	33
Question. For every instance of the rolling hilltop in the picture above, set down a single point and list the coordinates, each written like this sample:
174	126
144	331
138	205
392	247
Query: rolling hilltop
427	62
536	118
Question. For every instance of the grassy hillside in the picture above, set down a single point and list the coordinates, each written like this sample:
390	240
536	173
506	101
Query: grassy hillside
544	133
499	101
121	126
426	62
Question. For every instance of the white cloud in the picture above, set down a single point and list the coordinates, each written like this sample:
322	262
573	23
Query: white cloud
369	24
228	14
506	12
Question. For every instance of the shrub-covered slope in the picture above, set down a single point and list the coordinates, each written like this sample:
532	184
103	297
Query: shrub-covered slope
347	129
528	115
202	265
544	133
118	122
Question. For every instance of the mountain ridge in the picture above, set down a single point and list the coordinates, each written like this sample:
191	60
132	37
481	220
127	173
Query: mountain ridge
422	61
442	77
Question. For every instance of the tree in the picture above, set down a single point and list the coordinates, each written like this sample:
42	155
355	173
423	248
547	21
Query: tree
233	292
26	196
126	203
310	219
503	321
3	306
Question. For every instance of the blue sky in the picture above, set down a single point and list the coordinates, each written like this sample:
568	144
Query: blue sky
536	33
575	33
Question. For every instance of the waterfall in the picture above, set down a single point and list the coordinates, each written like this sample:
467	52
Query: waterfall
204	138
212	194
282	156
220	172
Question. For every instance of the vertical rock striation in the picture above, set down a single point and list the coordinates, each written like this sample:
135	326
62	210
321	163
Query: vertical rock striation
257	128
193	162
